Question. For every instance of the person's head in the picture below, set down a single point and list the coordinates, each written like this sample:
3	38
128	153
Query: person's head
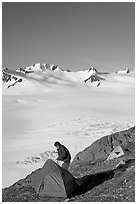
57	144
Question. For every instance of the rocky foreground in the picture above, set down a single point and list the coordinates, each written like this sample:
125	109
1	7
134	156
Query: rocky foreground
100	180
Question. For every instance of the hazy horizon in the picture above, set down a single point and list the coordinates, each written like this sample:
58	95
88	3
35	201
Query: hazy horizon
72	35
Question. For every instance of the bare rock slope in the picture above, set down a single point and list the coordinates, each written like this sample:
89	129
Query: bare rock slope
100	149
99	179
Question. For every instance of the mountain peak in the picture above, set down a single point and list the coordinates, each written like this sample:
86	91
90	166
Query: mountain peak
93	70
124	71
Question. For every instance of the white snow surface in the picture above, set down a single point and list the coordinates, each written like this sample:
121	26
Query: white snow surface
125	70
49	105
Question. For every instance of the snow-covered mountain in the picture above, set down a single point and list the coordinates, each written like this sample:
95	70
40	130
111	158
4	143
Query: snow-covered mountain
45	73
49	71
34	78
123	71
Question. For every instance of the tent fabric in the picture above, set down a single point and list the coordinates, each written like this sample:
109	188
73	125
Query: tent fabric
41	173
52	180
69	181
52	186
117	152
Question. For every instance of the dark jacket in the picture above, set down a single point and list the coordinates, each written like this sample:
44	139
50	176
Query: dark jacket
63	154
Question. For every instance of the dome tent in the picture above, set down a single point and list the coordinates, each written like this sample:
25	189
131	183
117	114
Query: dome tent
117	152
54	181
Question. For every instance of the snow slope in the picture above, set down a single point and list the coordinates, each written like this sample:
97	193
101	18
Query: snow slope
51	104
123	71
40	78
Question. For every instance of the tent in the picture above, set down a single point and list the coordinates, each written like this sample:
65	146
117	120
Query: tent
117	152
54	181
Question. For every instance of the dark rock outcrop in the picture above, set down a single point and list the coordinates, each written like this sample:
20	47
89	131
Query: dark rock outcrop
9	79
100	149
93	78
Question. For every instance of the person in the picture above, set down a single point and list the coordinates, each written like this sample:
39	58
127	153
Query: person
63	155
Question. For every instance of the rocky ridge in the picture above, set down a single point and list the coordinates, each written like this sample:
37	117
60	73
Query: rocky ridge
100	149
99	179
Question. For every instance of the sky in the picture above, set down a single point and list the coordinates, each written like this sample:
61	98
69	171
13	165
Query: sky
73	35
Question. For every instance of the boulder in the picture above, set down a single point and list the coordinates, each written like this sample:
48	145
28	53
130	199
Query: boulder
101	149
